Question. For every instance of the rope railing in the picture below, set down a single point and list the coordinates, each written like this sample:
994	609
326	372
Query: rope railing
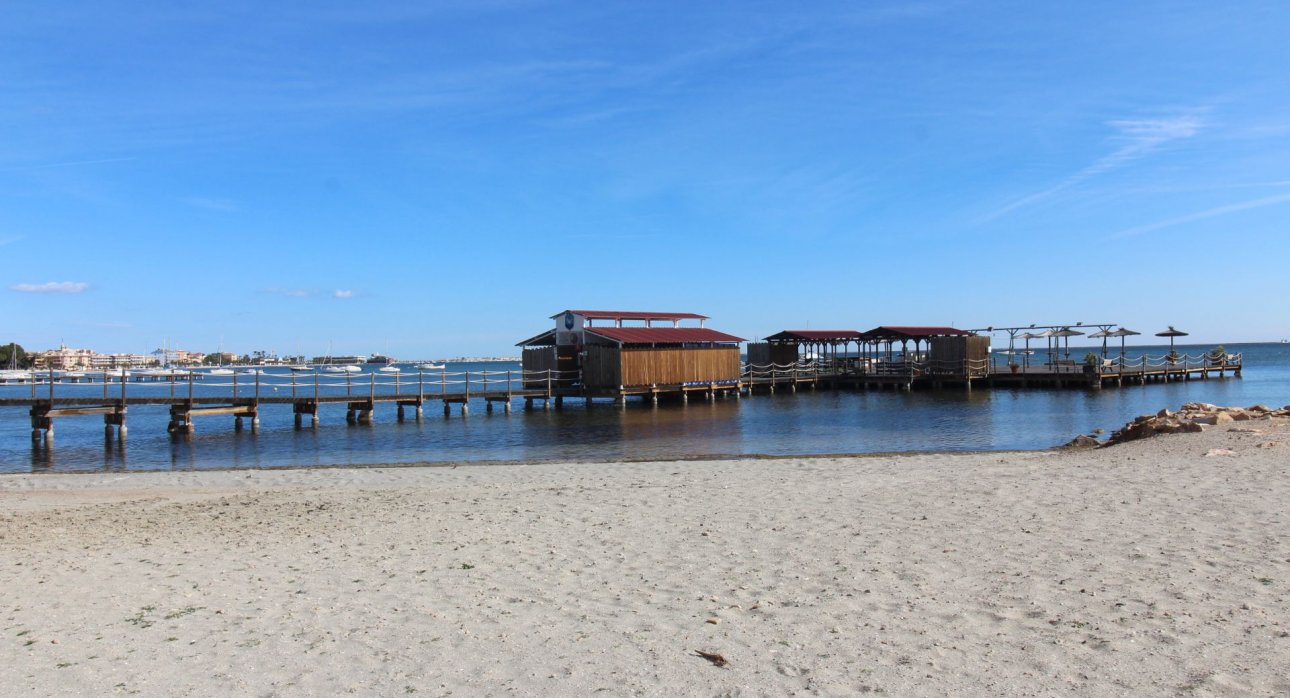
113	385
1141	363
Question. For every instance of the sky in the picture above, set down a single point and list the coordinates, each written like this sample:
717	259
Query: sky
432	179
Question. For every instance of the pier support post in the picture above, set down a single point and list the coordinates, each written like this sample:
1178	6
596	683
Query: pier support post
365	416
349	417
620	401
399	413
315	419
506	407
237	423
255	422
420	413
653	399
528	403
299	420
488	406
559	402
114	419
465	409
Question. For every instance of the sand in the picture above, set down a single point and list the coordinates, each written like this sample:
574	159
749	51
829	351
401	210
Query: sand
1154	568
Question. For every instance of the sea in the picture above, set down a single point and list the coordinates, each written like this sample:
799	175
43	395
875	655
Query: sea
807	422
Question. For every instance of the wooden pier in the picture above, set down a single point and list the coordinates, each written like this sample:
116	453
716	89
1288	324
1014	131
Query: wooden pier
189	396
867	374
192	395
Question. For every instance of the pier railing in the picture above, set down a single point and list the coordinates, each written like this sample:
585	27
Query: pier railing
851	366
112	386
1144	363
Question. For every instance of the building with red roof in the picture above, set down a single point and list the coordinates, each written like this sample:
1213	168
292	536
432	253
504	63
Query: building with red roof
618	352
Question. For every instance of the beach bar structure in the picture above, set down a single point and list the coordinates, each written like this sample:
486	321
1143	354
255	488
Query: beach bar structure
885	356
941	351
612	353
792	346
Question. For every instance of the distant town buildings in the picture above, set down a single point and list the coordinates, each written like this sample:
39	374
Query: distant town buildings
67	359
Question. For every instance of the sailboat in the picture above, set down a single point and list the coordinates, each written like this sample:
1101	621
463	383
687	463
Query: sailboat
12	372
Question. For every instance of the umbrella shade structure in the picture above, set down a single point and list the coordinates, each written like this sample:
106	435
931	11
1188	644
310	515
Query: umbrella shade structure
1171	333
1067	333
1029	336
1102	335
1122	333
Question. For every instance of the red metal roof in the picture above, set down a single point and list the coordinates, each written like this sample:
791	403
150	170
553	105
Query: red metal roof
631	315
663	335
910	332
815	336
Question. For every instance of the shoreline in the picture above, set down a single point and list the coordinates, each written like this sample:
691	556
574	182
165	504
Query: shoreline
701	458
1154	567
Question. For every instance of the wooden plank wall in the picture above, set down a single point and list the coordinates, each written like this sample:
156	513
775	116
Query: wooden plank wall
784	354
676	365
602	367
537	359
956	349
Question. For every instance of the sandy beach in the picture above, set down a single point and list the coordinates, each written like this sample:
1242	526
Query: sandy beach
1159	567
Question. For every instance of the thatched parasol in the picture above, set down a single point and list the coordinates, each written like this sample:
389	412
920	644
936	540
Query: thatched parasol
1122	333
1029	336
1067	333
1102	335
1171	333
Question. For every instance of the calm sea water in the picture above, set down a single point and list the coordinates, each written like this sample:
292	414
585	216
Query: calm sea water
807	422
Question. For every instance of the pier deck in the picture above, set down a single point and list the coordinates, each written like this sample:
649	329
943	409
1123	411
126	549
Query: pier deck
194	395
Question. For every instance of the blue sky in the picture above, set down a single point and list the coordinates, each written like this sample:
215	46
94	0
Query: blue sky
437	178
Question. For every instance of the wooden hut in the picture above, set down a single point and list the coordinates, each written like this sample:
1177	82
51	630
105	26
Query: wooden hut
616	353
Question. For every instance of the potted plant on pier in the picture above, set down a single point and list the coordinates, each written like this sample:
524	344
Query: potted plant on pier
1014	366
1091	362
1218	355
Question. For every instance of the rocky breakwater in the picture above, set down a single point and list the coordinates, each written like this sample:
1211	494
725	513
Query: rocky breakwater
1194	416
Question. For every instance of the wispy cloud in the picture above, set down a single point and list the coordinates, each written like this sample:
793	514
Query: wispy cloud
1138	138
1202	215
52	287
212	204
293	292
342	293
